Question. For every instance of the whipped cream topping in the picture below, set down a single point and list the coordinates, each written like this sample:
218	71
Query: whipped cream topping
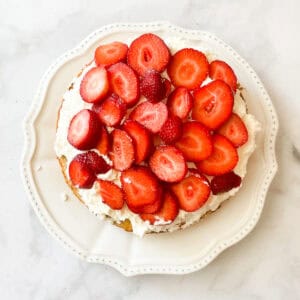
73	103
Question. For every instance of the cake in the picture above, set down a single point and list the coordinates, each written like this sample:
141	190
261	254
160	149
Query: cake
154	134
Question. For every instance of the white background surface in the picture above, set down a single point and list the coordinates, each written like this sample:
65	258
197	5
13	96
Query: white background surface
265	265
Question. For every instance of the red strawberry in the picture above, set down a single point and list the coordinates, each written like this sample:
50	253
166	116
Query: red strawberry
213	104
223	158
122	152
192	192
103	142
180	102
221	70
188	68
167	86
148	52
84	129
94	85
151	115
152	86
224	183
140	186
235	130
81	175
171	130
111	53
168	212
111	194
124	82
141	138
110	111
168	164
195	142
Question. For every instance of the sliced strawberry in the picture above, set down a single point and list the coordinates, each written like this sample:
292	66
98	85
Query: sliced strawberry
151	115
124	82
141	138
171	130
140	186
122	152
103	141
168	164
111	53
195	142
168	87
168	212
219	69
188	68
94	85
235	130
224	183
148	52
192	192
223	159
81	175
84	129
180	102
152	86
111	111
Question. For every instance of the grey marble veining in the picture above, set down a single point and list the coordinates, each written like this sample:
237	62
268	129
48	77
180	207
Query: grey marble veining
265	265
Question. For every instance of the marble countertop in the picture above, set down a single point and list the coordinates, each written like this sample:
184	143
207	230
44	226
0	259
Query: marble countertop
265	265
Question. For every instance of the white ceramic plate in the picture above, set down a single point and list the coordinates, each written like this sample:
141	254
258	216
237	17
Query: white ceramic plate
98	241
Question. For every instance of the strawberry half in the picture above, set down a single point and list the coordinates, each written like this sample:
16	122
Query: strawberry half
151	115
111	53
180	102
141	138
192	192
224	183
124	82
84	129
213	104
195	142
94	85
223	159
168	211
171	131
152	86
168	164
103	141
235	130
111	111
148	52
140	186
167	87
219	69
122	152
111	194
188	68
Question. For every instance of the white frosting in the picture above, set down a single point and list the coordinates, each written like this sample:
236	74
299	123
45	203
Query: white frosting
73	103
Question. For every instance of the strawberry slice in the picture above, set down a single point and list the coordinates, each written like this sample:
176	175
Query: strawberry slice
219	69
111	53
167	87
140	186
235	130
141	138
171	130
81	175
111	111
168	164
94	85
168	212
180	102
124	82
84	129
148	52
122	152
223	159
224	183
213	104
151	115
111	194
188	68
192	192
152	86
103	141
195	142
